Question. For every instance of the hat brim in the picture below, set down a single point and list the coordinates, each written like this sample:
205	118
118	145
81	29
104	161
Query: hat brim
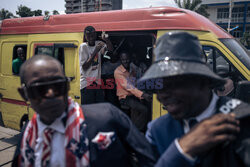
172	68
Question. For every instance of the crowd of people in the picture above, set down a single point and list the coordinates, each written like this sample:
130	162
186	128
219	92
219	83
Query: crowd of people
200	129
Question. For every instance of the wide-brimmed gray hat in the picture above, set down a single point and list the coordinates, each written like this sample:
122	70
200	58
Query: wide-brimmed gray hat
180	53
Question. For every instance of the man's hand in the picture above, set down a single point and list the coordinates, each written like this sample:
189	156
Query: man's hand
209	133
147	97
105	36
87	64
99	46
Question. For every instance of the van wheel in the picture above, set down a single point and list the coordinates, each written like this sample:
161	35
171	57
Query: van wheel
23	121
1	120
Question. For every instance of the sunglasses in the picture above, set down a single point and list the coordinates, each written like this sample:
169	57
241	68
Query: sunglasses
40	89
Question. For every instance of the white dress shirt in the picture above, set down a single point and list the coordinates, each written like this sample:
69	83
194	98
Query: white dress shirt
57	157
208	112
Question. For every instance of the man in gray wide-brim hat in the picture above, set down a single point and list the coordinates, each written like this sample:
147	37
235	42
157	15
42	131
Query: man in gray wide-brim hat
198	121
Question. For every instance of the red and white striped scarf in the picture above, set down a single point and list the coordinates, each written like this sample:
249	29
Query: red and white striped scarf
75	135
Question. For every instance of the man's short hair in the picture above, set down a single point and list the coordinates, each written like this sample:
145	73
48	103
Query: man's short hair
20	48
32	60
89	29
124	52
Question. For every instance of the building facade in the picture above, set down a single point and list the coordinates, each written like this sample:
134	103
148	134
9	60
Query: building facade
240	17
79	6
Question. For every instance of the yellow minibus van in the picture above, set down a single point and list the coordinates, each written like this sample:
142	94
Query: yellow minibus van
61	35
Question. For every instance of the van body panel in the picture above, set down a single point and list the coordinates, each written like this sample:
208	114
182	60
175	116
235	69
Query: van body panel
12	106
230	57
12	112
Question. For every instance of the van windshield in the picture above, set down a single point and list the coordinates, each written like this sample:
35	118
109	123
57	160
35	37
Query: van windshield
238	50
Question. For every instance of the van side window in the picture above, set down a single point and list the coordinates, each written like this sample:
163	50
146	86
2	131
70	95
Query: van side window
19	57
57	53
218	63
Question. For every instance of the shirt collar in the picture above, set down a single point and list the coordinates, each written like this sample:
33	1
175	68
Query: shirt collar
210	110
57	125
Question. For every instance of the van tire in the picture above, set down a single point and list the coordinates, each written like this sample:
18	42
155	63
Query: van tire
1	120
24	121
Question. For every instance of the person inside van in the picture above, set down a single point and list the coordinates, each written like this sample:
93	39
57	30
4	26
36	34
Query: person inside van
108	68
200	129
131	98
62	133
16	63
138	66
90	53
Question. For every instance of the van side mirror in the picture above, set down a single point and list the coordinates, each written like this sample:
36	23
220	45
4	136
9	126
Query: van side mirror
223	71
243	91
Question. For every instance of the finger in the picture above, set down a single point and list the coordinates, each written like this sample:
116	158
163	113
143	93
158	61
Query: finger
224	118
226	128
223	138
100	44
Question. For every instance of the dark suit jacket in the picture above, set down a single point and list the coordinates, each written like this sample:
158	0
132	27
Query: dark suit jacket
128	147
163	131
104	117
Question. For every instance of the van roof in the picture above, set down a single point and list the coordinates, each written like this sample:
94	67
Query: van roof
119	20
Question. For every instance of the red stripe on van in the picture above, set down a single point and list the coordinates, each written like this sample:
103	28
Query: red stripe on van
17	102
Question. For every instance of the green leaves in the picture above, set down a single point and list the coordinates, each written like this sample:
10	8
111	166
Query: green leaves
24	11
5	14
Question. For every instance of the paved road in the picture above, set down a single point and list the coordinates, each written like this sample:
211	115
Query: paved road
8	141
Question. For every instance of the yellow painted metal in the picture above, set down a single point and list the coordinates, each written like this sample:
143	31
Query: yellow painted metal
230	57
12	113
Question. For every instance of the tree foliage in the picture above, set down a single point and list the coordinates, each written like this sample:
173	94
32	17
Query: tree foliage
5	14
24	11
38	12
46	12
194	5
55	12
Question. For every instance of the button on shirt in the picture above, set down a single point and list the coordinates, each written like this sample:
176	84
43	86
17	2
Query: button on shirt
57	157
208	112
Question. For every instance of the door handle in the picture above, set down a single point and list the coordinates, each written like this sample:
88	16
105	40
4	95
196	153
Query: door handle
77	97
71	78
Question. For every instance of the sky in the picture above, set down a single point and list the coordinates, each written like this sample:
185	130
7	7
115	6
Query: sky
58	5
